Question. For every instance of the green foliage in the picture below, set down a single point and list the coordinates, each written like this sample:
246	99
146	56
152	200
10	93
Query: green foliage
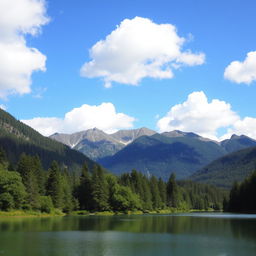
54	185
156	198
123	199
242	196
28	172
172	192
201	196
84	189
12	190
58	190
100	190
46	204
224	171
16	138
6	201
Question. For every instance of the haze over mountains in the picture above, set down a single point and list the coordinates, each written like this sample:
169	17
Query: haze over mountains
152	153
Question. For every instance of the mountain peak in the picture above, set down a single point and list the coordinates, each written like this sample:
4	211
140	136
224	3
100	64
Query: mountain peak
178	133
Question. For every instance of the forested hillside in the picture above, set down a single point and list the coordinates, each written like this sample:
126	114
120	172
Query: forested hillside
224	171
16	138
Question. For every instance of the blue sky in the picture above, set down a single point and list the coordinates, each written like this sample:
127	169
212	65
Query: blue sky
221	31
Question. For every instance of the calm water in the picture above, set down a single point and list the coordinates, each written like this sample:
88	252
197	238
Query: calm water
181	234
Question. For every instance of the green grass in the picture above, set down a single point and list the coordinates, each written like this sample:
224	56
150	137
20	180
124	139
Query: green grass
30	213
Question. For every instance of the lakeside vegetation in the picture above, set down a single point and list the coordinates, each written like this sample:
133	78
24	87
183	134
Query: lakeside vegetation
33	190
242	196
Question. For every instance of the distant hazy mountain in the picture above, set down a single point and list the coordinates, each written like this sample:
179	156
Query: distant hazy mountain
16	138
97	144
162	154
236	143
224	171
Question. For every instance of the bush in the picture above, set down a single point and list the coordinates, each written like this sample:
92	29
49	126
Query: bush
46	204
6	201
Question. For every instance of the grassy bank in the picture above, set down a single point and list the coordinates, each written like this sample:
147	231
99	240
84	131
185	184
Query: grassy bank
57	212
30	213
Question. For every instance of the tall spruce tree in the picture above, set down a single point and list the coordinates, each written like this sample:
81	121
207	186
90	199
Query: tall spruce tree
54	185
162	192
100	190
28	173
172	192
156	198
84	191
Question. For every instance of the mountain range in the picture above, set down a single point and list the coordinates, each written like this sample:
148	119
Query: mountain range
152	153
97	144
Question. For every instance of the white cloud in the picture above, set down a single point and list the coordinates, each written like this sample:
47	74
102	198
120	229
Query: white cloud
2	106
198	115
136	49
17	60
242	72
245	126
103	117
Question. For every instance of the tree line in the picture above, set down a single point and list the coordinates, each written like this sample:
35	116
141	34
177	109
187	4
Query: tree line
242	196
29	186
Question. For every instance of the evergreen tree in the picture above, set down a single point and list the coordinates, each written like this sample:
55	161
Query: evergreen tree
100	190
54	185
156	198
172	192
67	191
162	192
28	173
3	160
84	190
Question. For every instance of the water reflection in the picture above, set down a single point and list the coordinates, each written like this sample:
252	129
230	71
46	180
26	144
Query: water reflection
128	235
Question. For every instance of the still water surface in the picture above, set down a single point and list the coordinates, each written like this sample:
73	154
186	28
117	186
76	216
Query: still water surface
146	235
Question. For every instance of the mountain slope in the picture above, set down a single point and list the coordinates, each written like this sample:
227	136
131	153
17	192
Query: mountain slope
227	169
161	155
16	137
236	143
98	144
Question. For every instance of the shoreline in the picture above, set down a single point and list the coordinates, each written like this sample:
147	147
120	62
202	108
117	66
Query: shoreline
57	213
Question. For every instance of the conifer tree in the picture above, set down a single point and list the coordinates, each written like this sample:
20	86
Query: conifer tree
172	192
156	199
29	178
100	190
84	191
162	192
54	185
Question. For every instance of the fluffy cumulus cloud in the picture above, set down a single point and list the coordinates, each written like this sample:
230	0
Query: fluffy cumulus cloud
199	115
136	49
245	126
17	60
103	116
242	72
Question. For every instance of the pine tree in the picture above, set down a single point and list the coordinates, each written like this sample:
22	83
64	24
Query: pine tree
172	192
162	192
54	185
156	198
28	173
100	190
84	191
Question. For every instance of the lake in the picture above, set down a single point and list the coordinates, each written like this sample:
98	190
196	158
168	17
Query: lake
199	234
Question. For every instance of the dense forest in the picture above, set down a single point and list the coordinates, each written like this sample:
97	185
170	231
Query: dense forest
29	187
242	196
